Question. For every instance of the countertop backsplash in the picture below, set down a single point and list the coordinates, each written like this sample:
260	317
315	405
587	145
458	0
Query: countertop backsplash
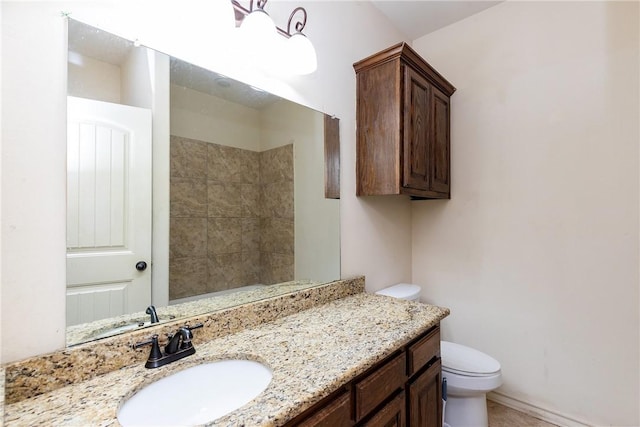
41	374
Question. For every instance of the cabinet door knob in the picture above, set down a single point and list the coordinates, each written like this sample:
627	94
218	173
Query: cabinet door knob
141	266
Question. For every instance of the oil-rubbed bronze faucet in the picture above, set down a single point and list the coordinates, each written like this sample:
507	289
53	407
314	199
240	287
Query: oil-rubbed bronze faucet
151	310
179	346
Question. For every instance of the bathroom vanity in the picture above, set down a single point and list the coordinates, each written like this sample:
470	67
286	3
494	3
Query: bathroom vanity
340	354
404	389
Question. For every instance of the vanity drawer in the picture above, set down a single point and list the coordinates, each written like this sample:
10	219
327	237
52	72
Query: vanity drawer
423	351
335	414
393	414
379	385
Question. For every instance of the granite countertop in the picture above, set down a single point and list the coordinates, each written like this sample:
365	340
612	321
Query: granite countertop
311	353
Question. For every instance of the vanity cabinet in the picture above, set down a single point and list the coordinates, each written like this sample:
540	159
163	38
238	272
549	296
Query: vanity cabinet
404	390
403	126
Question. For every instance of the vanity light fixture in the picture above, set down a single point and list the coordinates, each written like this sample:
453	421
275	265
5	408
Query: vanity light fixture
295	53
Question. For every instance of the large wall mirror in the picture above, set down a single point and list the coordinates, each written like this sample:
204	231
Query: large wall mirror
187	191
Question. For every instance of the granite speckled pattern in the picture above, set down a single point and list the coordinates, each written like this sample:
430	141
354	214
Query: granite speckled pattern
311	353
41	374
1	396
89	331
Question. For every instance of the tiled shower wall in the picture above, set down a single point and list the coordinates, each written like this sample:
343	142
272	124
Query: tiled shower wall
232	219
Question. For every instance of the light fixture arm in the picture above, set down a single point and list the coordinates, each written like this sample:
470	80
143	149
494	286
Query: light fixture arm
300	24
241	12
260	4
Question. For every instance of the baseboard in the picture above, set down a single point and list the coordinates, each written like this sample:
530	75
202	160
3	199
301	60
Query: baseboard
536	411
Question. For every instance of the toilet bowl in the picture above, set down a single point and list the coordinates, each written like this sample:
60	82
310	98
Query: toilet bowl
470	374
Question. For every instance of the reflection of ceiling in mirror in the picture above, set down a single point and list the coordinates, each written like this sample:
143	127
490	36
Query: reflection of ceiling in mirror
103	46
97	44
199	79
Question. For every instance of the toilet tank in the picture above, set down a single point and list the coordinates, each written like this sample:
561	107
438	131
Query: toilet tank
404	291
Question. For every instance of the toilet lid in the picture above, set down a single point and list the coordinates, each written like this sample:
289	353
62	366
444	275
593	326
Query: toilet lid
402	291
464	360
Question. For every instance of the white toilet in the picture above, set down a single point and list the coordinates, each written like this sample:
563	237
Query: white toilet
470	374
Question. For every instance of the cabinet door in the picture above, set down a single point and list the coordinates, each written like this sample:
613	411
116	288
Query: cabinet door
439	142
416	144
378	130
425	398
391	415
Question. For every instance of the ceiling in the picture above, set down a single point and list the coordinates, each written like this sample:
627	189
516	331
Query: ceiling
419	17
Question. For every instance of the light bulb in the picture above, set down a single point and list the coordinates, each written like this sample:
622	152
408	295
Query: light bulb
223	16
258	38
301	54
258	25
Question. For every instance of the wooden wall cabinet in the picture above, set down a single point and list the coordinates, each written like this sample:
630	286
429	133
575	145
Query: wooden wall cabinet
404	390
403	122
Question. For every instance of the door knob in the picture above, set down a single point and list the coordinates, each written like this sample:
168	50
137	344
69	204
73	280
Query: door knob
141	266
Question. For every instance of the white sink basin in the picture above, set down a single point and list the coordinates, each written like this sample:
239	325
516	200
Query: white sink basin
196	395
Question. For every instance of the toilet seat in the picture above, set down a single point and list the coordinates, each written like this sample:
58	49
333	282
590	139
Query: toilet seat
465	361
467	374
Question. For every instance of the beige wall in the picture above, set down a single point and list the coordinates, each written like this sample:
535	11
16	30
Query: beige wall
33	180
136	72
536	253
93	79
128	83
200	116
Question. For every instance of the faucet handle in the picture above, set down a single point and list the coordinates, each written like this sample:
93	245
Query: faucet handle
196	326
155	353
186	342
143	343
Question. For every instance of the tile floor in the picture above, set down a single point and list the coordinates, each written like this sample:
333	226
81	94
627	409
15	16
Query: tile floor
501	416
